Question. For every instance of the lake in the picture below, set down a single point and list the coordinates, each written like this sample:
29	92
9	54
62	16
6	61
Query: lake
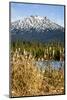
52	63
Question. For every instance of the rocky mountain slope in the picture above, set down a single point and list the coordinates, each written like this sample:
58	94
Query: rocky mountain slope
36	28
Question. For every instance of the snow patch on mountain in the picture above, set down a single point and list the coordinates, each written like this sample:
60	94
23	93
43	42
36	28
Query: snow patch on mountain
34	22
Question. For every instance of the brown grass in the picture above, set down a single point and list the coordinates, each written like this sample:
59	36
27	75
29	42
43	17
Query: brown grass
28	80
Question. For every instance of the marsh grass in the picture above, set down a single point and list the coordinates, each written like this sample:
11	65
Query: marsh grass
28	80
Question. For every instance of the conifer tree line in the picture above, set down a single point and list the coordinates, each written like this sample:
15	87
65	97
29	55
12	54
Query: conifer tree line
51	50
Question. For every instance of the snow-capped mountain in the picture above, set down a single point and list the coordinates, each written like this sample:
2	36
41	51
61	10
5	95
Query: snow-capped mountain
36	28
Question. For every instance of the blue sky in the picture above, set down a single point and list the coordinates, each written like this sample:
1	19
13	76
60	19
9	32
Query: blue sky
53	12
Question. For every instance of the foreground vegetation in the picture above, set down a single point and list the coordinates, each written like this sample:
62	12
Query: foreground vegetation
26	78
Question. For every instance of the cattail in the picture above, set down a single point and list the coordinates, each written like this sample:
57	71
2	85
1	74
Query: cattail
30	56
19	49
53	52
13	59
38	59
60	51
45	56
26	56
47	50
25	52
18	55
50	48
42	59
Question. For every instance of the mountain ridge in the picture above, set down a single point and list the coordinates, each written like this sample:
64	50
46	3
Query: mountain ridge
36	28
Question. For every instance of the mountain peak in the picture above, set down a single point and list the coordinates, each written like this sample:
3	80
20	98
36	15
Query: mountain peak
36	22
37	28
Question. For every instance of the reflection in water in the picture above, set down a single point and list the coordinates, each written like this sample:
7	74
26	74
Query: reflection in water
52	63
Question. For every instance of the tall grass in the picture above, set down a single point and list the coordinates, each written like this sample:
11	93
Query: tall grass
28	80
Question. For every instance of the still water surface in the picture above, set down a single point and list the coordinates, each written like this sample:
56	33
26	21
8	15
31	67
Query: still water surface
52	63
